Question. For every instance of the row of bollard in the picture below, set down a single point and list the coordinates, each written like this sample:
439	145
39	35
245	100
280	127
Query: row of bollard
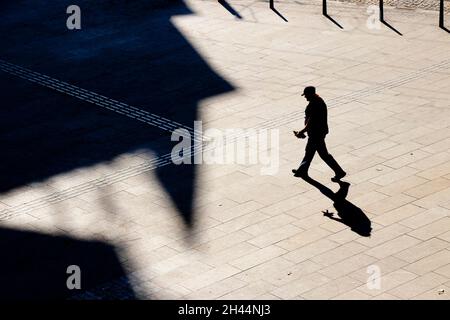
381	6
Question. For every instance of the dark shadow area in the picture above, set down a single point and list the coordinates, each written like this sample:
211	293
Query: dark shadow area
272	7
34	266
391	27
325	13
230	9
334	21
126	50
381	6
442	16
348	213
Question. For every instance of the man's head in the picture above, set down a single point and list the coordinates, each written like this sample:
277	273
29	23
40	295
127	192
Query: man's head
309	93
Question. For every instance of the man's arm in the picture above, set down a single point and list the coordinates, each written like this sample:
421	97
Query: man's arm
301	134
305	128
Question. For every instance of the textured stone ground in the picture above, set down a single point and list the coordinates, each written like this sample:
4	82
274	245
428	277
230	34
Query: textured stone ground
407	4
265	237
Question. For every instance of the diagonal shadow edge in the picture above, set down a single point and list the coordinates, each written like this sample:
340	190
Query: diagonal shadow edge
35	266
391	27
230	9
334	21
74	64
272	7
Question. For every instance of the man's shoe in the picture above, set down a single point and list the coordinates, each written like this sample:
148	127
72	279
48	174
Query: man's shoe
299	173
339	176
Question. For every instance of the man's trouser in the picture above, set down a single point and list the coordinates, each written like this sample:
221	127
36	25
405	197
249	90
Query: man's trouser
318	144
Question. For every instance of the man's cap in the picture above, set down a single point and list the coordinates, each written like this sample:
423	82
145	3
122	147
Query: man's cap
309	91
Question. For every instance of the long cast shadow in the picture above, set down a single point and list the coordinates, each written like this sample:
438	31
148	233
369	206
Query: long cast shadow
272	7
391	27
334	21
126	50
442	16
348	213
230	9
381	6
325	13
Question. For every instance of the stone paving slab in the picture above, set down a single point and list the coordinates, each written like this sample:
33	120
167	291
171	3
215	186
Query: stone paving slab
406	4
258	236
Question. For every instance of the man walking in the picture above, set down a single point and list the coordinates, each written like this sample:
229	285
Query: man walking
317	128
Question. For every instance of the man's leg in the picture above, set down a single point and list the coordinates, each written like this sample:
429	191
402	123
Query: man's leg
329	160
310	150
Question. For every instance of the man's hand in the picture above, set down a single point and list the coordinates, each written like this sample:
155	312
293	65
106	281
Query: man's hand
299	134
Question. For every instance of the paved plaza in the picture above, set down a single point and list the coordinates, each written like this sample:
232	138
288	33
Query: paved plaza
406	4
88	179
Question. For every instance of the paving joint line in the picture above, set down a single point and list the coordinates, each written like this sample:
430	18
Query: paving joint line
121	175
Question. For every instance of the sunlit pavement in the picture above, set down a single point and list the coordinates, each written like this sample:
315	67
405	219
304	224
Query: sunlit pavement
260	236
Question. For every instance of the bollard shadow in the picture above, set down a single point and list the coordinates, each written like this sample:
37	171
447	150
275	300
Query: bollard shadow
334	21
445	29
272	7
348	213
381	8
130	51
325	13
35	266
390	27
442	16
230	9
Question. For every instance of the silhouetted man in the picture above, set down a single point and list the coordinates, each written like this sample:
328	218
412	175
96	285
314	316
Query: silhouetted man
317	128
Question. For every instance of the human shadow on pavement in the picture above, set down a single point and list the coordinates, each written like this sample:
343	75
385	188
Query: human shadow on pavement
35	266
349	214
